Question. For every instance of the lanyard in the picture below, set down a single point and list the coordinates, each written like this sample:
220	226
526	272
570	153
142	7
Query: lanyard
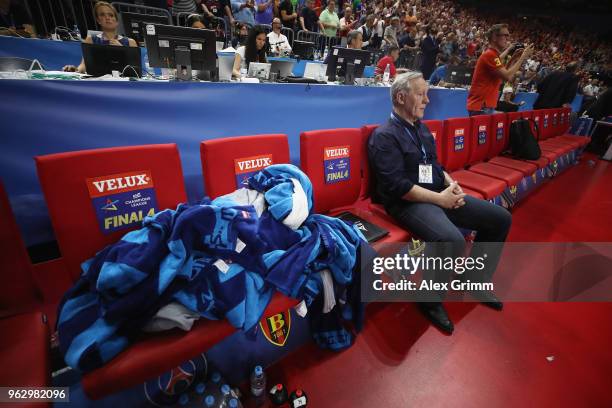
414	140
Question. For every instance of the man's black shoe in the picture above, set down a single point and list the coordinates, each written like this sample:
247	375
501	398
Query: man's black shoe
489	299
436	314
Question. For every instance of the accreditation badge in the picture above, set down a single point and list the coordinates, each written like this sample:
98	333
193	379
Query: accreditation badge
425	174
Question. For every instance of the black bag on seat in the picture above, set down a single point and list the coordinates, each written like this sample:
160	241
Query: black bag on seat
523	144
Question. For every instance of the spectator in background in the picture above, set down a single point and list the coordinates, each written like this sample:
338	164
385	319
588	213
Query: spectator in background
226	5
410	18
391	32
212	8
309	20
437	77
241	31
287	14
264	11
348	22
558	88
196	21
279	45
329	19
506	103
490	71
430	49
244	10
367	31
253	51
392	56
15	19
108	20
184	6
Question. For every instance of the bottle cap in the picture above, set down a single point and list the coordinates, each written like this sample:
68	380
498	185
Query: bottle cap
209	401
184	399
279	387
258	370
225	389
216	377
233	403
299	393
200	388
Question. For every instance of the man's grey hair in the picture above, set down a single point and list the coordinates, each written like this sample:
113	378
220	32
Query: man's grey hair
352	35
403	82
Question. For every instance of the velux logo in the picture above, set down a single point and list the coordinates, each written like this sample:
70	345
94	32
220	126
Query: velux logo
119	183
251	164
336	152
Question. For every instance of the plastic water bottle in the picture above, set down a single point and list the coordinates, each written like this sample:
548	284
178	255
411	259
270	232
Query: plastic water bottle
234	403
258	385
225	395
147	67
386	74
209	401
200	388
77	32
325	53
183	400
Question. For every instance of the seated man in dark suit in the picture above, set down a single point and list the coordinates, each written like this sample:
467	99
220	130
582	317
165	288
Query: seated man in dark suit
422	197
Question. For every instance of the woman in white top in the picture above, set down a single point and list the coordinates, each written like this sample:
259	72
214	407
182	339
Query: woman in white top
278	42
108	20
253	51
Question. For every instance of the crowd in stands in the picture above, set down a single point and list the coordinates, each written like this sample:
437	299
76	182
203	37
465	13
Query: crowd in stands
429	33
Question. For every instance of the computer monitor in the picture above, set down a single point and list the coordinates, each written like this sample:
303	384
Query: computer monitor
259	70
134	22
315	70
104	59
183	48
459	75
303	50
347	63
282	68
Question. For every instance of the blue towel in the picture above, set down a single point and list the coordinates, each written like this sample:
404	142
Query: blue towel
188	255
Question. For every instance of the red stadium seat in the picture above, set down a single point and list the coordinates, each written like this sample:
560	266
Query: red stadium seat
546	130
336	197
563	132
480	136
21	283
500	141
222	159
24	353
456	148
63	179
436	127
366	131
499	135
18	289
24	344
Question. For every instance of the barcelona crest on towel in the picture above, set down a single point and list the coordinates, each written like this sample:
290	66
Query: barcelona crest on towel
276	328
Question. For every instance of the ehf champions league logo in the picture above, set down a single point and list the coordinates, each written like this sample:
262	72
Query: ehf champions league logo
166	388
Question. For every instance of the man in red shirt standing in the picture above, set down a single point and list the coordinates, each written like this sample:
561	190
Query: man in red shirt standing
392	56
490	71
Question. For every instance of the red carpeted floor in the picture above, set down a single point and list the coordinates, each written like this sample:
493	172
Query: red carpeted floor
531	354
